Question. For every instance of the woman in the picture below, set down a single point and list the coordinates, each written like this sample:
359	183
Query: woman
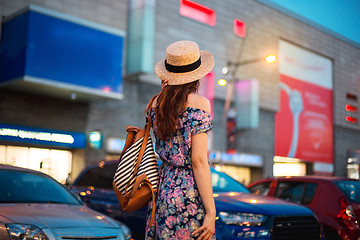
185	207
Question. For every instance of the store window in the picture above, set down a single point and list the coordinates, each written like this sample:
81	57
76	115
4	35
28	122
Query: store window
240	174
289	169
56	163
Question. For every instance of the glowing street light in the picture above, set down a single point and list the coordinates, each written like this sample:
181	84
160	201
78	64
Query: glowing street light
225	70
222	82
270	59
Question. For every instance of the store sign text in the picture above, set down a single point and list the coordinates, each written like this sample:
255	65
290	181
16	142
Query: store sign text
43	136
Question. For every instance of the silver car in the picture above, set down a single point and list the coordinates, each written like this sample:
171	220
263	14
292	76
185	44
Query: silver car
34	206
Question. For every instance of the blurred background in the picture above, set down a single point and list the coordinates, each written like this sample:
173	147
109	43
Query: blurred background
284	90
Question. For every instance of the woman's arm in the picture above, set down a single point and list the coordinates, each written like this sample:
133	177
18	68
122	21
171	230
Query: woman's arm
202	176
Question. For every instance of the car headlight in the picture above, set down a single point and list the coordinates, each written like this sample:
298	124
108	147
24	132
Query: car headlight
242	219
126	231
25	232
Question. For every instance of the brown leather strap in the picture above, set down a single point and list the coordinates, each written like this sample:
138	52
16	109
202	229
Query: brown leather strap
143	145
129	141
153	204
132	129
137	183
143	179
146	137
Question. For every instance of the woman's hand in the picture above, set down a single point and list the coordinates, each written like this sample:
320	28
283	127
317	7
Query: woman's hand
164	83
207	230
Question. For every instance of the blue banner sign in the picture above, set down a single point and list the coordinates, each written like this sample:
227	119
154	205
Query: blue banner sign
48	137
53	49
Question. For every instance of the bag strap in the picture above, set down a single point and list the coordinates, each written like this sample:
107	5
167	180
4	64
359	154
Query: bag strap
132	131
153	204
143	146
146	136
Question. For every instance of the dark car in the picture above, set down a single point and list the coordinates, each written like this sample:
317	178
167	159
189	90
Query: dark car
34	206
335	200
240	214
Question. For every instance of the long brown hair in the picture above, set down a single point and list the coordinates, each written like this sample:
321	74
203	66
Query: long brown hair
171	102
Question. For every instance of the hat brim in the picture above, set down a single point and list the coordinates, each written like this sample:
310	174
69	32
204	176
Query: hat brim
207	64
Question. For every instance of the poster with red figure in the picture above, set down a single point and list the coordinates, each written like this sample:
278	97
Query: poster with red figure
304	123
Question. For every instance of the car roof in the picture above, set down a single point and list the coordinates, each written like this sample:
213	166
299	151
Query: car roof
309	178
19	169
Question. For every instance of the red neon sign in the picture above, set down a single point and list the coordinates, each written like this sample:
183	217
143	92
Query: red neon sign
351	108
239	28
197	12
351	119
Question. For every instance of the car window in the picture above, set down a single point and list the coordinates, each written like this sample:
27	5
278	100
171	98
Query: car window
222	182
24	187
291	191
261	188
309	193
99	177
351	189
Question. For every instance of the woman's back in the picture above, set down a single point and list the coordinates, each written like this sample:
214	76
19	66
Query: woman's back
195	119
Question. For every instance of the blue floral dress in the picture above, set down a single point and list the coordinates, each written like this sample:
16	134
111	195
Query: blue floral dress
179	209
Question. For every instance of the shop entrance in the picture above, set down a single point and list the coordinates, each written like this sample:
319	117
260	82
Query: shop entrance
241	174
56	163
353	164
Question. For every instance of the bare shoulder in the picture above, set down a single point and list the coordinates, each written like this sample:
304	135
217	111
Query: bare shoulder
200	102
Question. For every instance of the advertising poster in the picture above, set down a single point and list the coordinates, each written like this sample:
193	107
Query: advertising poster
304	123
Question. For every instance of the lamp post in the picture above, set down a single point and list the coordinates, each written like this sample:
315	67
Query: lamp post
230	116
235	68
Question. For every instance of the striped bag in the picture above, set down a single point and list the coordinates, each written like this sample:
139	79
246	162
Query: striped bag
136	178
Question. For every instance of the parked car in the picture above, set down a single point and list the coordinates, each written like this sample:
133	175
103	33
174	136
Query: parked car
34	206
240	214
335	200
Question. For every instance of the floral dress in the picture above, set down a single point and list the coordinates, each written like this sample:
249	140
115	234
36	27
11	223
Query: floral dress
179	209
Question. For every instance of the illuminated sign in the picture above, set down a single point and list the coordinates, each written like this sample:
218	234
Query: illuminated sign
115	145
42	136
236	158
95	139
304	122
197	12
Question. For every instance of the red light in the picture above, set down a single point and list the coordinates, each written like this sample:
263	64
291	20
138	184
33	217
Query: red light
351	108
197	12
346	210
239	28
351	119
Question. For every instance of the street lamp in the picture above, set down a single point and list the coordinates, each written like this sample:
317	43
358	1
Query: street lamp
226	69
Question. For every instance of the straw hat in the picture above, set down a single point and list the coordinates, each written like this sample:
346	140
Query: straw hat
184	63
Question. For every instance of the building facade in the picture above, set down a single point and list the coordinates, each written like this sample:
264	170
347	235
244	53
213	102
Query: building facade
259	139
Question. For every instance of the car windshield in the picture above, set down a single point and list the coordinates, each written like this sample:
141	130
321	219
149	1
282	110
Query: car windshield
351	189
25	187
222	182
99	177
